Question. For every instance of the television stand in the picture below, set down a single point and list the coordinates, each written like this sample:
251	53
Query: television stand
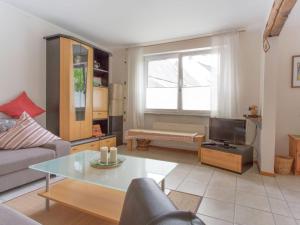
237	158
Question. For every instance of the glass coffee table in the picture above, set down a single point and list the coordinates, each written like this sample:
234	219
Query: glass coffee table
100	192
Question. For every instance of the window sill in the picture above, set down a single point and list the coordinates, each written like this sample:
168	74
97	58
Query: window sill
197	114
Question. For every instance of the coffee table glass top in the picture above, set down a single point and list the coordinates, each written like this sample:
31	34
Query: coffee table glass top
77	166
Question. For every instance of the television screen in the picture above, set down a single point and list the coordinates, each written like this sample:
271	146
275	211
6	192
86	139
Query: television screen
232	131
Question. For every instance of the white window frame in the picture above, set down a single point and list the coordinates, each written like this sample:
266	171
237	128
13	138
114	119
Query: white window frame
179	110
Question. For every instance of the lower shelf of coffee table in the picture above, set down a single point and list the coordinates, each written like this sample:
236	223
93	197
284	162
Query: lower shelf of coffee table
99	201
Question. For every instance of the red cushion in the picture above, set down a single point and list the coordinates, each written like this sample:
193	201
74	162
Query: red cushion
19	105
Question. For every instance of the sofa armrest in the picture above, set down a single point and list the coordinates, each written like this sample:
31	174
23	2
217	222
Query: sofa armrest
60	147
11	217
144	195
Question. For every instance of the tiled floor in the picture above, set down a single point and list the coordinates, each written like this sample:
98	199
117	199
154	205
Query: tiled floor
233	199
229	198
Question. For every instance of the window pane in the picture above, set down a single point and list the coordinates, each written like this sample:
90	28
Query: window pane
161	98
163	73
196	98
197	70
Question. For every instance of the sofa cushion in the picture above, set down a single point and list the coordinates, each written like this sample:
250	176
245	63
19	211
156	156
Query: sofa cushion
6	124
27	133
19	105
11	161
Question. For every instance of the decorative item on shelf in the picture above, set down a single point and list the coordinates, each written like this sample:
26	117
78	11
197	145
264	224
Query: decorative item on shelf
104	154
113	155
253	111
96	65
97	132
97	82
77	59
296	71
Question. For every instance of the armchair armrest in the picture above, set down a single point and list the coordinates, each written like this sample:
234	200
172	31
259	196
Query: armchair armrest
60	147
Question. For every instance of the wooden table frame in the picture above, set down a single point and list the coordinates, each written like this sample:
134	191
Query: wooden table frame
85	198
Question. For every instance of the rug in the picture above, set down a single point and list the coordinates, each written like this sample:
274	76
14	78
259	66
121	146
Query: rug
33	206
184	201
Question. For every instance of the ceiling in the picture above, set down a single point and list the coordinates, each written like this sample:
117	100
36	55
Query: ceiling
116	23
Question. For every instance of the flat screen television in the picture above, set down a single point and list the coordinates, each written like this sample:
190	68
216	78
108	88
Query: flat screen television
229	131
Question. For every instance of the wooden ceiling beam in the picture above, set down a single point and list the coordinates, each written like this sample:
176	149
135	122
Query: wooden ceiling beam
278	16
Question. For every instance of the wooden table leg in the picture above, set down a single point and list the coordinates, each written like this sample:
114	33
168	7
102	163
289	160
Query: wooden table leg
129	144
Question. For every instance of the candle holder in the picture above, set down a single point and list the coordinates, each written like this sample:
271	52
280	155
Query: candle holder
106	160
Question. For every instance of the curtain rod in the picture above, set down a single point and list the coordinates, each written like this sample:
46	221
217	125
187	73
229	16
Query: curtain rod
149	44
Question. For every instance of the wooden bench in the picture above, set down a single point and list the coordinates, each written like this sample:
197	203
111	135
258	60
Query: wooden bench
161	135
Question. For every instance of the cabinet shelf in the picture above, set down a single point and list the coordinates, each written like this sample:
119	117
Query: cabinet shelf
100	70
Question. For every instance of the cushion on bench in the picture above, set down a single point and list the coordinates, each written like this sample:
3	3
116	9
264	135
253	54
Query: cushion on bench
161	135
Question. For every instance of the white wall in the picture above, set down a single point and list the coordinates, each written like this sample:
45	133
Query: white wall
250	61
288	104
23	55
269	112
280	102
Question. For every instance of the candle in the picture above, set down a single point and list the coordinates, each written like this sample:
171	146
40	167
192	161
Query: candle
113	154
104	154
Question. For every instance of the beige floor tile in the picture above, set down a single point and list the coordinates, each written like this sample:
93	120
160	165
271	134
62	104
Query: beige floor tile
222	194
249	216
252	201
283	220
174	179
212	221
272	188
289	182
217	209
225	180
279	207
203	174
251	185
291	195
295	210
192	187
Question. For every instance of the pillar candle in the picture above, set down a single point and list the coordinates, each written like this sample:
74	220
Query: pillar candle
104	154
113	154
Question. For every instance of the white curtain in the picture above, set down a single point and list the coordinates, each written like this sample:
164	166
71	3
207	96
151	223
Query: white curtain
224	91
136	88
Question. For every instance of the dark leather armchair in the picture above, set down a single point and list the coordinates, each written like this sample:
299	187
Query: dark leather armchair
146	204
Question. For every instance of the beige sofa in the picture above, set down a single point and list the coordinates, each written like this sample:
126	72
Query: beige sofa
14	164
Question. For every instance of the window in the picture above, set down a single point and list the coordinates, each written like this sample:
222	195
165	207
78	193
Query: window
179	82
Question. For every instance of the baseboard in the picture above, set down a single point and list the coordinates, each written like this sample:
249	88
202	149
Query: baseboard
267	174
264	173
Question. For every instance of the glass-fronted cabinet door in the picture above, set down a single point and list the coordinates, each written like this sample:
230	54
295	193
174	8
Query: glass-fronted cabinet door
80	76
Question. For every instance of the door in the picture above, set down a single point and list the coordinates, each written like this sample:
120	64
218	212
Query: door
76	90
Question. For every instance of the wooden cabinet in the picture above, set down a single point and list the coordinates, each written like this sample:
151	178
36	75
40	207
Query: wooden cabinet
220	159
100	99
109	142
237	159
294	151
100	115
77	87
69	88
95	145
